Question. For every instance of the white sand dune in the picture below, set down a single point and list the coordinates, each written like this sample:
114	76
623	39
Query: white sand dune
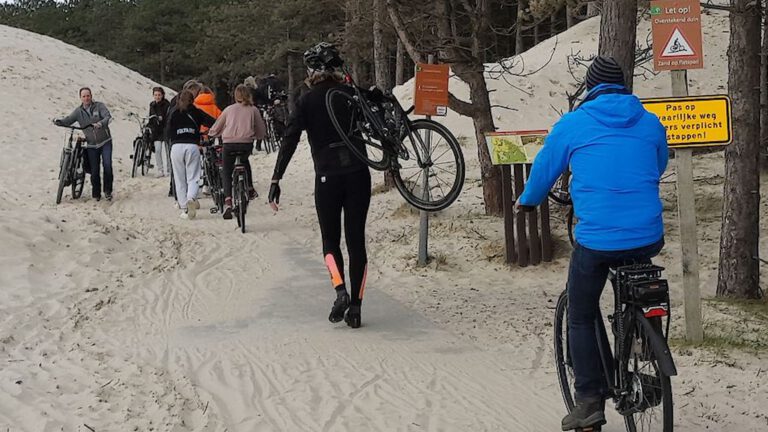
121	317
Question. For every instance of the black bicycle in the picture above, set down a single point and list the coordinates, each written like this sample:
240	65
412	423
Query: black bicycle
212	168
240	182
423	156
639	368
273	138
72	165
142	145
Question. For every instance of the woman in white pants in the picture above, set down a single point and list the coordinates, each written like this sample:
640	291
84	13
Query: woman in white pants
159	109
183	132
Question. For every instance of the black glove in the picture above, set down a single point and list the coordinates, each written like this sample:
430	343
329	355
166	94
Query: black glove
58	122
274	193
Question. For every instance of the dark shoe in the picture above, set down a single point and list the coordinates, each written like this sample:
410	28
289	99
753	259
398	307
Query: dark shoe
97	197
108	197
340	305
587	412
227	214
352	318
252	194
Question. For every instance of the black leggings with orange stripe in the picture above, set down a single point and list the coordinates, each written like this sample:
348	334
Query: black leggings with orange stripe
350	194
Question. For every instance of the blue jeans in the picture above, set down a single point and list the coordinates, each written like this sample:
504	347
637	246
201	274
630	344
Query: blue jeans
587	276
96	157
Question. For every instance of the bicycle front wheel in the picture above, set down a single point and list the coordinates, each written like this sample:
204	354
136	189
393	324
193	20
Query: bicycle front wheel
563	362
137	146
432	175
356	130
64	169
650	400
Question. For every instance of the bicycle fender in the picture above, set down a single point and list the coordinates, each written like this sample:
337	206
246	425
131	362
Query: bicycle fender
659	346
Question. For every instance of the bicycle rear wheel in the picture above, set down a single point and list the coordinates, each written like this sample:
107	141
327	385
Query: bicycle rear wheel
650	399
563	362
355	129
561	192
240	200
432	175
137	146
64	170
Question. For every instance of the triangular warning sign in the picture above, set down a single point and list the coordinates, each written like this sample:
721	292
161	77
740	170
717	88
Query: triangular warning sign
677	46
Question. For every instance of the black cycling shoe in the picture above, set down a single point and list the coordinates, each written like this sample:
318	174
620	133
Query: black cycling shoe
352	318
588	412
340	305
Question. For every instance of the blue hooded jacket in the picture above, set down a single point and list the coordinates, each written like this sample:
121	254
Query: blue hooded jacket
617	152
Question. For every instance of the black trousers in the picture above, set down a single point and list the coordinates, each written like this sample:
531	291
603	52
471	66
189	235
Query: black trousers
349	194
229	154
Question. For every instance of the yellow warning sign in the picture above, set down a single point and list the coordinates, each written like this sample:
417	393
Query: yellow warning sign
697	121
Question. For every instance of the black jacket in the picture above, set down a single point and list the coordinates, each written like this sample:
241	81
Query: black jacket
329	152
183	127
159	109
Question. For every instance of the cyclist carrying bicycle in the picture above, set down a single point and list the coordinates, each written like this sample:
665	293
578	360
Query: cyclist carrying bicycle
99	148
238	126
617	152
342	181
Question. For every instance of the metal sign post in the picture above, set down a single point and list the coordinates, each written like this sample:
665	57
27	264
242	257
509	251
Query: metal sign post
431	98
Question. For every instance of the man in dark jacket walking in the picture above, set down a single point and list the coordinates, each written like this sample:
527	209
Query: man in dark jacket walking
99	147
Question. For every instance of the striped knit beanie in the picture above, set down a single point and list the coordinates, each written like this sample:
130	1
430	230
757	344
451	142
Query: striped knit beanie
604	70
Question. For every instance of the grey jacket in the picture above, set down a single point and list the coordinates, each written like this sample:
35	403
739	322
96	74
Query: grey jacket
96	113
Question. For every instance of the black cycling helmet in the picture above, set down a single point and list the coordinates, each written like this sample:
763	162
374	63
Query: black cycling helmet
323	56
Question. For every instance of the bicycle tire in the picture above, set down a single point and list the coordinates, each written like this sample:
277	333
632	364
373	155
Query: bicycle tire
147	158
661	396
78	180
457	183
342	98
563	364
64	171
571	223
560	192
142	159
136	156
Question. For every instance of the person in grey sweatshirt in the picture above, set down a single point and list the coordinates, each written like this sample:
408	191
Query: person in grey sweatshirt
99	139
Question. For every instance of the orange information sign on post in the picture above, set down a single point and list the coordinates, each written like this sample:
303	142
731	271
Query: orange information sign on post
431	92
676	28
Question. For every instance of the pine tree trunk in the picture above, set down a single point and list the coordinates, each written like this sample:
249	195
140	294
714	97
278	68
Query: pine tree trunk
593	8
618	34
519	39
764	92
400	64
738	275
381	66
570	19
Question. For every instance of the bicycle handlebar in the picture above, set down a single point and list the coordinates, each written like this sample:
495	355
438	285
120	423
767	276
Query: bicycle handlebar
73	127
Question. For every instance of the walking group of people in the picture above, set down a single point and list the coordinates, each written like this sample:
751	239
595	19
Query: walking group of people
617	204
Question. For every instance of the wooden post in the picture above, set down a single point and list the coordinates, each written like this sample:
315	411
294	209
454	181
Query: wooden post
522	239
686	208
534	241
546	233
510	254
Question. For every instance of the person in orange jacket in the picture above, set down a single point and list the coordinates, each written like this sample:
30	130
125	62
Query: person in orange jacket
206	102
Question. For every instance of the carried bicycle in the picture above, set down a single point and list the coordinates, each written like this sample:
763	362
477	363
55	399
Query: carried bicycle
72	164
142	145
273	140
639	368
423	156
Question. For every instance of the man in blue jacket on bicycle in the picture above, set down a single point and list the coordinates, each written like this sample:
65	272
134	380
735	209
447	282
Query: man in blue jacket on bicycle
617	152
